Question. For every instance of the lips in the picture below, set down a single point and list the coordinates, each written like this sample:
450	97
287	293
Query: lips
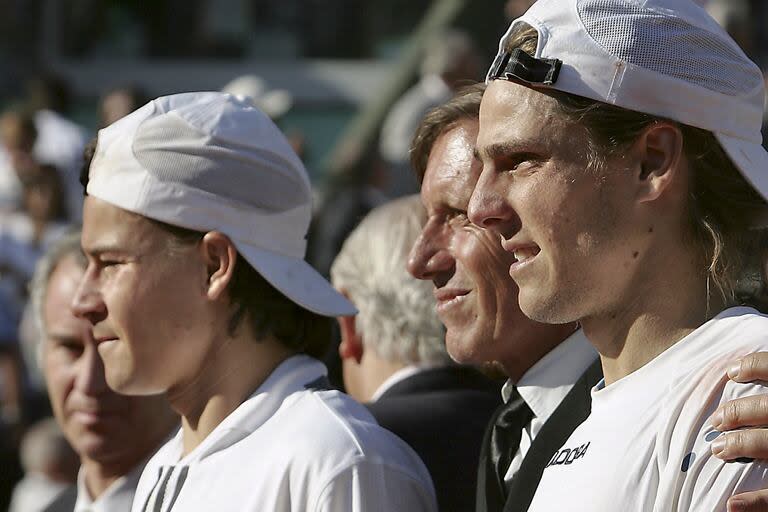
449	297
524	253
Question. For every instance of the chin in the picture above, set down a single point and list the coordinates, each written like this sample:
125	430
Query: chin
552	309
463	348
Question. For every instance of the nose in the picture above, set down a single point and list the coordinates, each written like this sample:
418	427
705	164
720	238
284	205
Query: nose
87	302
430	255
90	378
489	208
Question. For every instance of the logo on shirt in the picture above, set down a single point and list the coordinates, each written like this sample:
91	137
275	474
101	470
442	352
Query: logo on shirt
568	455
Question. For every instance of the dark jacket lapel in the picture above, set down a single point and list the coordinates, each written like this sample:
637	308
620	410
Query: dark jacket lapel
571	413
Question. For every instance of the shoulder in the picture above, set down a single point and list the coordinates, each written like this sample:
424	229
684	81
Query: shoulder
336	439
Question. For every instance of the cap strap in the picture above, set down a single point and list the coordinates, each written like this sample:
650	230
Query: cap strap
519	65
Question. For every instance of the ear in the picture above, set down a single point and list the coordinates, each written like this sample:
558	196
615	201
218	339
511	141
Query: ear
220	256
659	151
351	346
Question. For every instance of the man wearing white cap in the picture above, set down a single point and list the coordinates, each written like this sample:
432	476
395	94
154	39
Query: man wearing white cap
623	170
196	286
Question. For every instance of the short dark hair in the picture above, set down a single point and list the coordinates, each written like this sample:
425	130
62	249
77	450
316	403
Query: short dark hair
722	206
465	105
268	311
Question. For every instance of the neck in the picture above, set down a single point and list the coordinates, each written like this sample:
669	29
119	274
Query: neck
662	308
236	367
99	476
375	371
544	338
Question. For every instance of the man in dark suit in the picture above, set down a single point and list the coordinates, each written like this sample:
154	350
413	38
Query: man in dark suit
477	302
544	363
394	357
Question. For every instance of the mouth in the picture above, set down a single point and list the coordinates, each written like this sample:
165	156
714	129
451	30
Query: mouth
523	254
450	297
92	418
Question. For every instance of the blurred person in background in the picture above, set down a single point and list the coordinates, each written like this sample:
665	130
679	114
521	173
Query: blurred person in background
60	141
450	61
50	467
394	357
18	135
113	435
120	101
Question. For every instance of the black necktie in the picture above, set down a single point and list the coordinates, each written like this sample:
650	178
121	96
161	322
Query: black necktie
506	434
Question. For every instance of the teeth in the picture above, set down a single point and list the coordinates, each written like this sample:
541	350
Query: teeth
524	254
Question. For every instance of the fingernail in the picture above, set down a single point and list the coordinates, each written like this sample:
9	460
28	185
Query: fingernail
717	419
734	370
736	505
718	445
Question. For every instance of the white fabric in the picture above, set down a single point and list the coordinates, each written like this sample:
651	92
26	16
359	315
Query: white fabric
289	448
399	376
34	493
545	385
211	161
118	497
60	142
11	193
700	76
646	445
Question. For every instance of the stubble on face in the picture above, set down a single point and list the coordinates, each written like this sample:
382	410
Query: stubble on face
554	201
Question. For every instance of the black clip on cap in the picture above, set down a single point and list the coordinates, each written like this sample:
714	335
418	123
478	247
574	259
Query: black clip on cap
521	66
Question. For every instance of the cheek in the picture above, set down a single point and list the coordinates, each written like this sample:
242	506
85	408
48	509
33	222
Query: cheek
59	382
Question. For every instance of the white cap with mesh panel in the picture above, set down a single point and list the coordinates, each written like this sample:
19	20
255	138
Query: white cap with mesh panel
666	58
211	161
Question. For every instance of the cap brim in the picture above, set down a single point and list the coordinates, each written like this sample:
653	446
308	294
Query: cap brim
751	159
298	281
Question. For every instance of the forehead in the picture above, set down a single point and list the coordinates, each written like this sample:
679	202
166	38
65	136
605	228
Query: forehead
513	112
60	291
452	170
106	227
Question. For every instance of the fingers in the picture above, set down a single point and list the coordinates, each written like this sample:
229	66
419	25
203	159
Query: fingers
751	411
749	368
741	444
756	501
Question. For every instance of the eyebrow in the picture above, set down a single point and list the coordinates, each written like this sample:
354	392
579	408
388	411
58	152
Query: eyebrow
500	150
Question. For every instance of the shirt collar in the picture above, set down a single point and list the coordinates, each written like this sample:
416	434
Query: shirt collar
399	376
118	496
545	384
293	374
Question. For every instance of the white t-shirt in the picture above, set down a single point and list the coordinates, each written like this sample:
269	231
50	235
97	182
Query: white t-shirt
646	445
545	385
290	448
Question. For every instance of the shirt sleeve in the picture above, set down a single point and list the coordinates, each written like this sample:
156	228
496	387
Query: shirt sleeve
704	482
371	486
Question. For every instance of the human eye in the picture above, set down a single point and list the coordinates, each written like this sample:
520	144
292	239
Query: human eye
517	162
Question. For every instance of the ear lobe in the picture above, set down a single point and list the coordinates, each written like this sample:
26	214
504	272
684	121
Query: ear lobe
351	346
660	151
220	256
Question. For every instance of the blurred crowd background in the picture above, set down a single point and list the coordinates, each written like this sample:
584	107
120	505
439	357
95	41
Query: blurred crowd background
347	80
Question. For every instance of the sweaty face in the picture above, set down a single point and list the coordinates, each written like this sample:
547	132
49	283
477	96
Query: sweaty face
145	299
564	224
477	301
100	424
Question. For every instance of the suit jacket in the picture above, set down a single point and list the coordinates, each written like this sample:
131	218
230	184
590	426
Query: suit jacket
442	413
571	413
64	502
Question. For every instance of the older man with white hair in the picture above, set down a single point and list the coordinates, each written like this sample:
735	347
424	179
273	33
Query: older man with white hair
394	356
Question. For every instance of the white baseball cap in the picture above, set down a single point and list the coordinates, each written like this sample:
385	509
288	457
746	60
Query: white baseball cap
666	58
212	161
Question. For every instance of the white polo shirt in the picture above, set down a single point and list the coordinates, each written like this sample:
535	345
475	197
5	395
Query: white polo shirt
290	448
646	445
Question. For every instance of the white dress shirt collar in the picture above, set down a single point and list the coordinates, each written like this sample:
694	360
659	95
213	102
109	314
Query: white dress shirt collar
117	497
546	383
